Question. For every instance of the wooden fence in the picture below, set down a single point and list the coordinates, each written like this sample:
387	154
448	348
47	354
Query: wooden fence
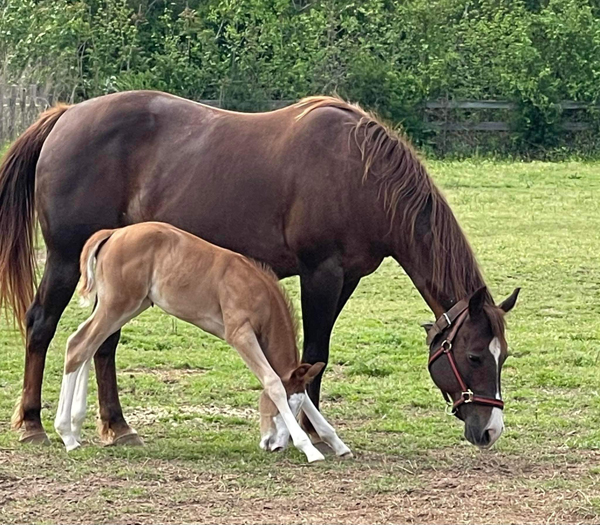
439	115
21	105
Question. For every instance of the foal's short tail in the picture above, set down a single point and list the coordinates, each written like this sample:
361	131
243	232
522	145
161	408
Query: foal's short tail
87	291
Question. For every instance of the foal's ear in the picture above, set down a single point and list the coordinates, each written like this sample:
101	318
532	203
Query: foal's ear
427	326
476	302
508	303
306	372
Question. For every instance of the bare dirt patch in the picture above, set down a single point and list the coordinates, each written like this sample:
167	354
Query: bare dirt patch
495	489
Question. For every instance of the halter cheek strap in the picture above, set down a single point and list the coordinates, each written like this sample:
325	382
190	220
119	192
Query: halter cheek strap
453	319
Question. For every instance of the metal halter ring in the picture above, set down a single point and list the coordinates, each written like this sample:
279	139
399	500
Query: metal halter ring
467	397
446	345
450	410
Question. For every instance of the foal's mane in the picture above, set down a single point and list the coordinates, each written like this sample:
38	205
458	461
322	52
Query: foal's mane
392	162
290	311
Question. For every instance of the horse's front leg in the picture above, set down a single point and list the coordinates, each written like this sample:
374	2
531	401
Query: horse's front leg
324	292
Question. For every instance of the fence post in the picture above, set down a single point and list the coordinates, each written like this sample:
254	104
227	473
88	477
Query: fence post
2	138
12	112
33	108
23	101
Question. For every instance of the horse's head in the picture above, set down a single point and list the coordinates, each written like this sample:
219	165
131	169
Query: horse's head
274	434
467	351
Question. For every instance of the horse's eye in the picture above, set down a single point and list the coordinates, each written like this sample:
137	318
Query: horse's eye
474	358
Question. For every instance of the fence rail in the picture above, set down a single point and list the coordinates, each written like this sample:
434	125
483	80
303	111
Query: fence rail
442	111
21	105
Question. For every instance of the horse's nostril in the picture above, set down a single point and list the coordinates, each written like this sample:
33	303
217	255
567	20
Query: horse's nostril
486	438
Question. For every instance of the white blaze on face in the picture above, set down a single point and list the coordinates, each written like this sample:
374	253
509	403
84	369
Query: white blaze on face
495	424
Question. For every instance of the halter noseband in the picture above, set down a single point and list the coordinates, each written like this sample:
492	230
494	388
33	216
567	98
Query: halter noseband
453	319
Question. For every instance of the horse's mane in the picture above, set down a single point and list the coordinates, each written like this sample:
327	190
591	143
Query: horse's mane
391	160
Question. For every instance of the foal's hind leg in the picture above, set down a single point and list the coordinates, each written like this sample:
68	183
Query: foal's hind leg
81	347
79	405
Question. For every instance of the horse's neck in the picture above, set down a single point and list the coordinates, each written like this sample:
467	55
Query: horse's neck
421	257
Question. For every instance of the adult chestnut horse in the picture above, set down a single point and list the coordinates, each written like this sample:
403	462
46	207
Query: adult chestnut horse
319	189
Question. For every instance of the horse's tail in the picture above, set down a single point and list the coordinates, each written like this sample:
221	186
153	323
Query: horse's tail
17	215
87	290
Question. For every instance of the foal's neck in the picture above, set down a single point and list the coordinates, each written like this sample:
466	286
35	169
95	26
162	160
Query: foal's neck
277	338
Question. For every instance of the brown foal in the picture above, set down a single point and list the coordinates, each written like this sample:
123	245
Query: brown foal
213	288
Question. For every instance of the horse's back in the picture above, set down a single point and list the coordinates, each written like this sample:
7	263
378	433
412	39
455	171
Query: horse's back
259	184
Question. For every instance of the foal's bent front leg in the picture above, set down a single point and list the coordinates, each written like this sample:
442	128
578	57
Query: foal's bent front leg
244	341
326	432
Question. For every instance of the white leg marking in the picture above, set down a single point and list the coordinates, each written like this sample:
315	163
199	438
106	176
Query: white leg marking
301	441
281	437
324	429
79	406
62	422
295	402
495	425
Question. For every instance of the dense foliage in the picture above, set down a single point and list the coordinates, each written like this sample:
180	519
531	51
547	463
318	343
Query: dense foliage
391	55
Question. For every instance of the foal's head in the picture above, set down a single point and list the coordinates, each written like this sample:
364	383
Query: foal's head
274	434
475	343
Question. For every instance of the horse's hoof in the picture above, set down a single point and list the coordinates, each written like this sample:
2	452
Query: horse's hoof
127	440
346	455
34	437
315	438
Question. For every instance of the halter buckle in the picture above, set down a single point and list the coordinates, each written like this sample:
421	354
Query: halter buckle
447	319
467	397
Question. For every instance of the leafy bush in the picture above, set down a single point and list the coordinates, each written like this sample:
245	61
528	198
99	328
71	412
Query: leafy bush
390	55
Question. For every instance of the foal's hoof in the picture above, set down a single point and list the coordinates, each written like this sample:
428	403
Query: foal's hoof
127	440
346	455
314	456
34	437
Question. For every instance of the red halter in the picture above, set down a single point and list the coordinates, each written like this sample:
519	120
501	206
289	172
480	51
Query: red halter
454	318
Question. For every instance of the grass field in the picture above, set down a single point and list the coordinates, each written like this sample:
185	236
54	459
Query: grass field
532	225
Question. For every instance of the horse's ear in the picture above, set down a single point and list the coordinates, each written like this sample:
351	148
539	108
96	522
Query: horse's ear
476	302
305	373
508	303
427	326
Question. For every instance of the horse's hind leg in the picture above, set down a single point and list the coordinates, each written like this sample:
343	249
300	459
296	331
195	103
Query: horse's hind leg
112	426
56	289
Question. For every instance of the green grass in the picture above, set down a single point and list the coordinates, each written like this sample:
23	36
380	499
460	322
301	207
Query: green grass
534	225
